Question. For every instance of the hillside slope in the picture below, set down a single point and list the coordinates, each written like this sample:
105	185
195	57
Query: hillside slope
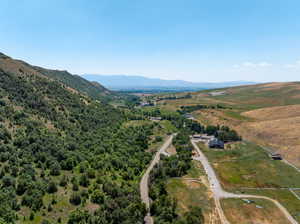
62	154
95	91
267	114
258	96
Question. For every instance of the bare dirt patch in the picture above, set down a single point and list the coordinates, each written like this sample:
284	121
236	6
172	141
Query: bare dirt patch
192	183
171	150
91	207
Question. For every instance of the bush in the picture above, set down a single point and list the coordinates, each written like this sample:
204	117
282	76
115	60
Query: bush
51	187
63	181
75	187
158	138
84	180
75	199
31	217
55	169
97	197
91	173
194	216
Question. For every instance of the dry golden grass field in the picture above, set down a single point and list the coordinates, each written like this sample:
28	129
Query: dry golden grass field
238	212
193	190
267	114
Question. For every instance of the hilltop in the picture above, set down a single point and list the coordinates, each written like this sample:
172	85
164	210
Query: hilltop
258	96
77	83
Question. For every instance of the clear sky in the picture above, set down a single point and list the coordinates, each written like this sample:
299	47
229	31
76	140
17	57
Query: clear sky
195	40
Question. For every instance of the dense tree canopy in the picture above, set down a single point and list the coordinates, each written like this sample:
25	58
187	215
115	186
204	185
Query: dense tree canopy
54	138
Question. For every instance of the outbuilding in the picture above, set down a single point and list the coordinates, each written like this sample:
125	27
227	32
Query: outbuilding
276	156
216	143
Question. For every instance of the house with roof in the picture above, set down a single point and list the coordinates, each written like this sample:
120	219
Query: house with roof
216	143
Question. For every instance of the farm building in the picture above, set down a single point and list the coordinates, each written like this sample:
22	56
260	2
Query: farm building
276	156
216	143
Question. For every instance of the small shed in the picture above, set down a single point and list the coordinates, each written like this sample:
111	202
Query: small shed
276	156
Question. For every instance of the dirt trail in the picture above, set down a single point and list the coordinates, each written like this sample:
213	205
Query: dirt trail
144	188
219	193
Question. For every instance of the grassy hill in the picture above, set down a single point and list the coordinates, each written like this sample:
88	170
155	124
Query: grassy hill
93	90
267	114
258	96
62	153
243	97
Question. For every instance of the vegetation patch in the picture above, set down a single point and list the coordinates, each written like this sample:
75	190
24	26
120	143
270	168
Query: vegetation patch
285	197
257	211
248	165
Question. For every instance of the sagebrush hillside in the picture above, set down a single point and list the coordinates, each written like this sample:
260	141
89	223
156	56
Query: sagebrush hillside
95	91
62	154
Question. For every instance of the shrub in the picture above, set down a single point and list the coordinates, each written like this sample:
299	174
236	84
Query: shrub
51	187
63	181
75	199
97	197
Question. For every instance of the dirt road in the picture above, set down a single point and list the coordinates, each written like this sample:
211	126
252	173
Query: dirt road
219	193
144	188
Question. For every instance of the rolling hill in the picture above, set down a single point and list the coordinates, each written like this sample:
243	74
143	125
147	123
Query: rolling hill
93	90
259	96
267	114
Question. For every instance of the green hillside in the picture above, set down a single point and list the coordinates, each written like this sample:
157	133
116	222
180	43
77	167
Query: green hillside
93	90
62	154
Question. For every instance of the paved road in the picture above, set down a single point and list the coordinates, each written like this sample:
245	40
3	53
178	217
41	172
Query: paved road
144	188
219	193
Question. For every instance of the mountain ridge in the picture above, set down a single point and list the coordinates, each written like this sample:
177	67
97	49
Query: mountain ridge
75	82
121	82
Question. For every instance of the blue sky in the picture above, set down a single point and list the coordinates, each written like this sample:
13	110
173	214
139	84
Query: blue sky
195	40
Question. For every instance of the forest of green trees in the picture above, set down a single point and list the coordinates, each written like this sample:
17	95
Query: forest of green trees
164	206
52	139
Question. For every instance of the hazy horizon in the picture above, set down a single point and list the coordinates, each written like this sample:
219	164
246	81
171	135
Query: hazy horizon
168	79
196	41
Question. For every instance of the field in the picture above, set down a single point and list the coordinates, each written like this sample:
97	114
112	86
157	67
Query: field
192	190
259	211
285	197
268	118
247	165
267	114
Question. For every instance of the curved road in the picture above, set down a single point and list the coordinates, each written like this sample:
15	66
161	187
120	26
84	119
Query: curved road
219	193
144	188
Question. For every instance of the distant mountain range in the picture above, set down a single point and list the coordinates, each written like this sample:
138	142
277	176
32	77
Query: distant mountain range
130	82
